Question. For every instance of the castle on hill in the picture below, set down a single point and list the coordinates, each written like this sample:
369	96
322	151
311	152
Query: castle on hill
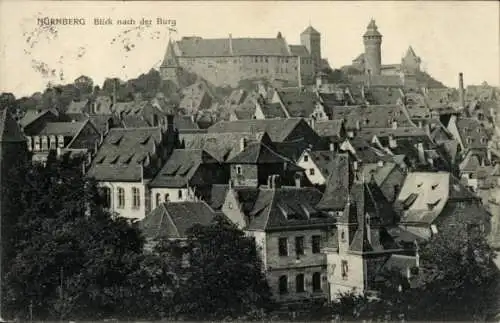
367	67
227	61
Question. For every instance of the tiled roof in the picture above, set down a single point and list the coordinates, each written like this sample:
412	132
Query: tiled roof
9	129
185	122
218	196
372	30
272	110
325	160
329	128
181	167
134	121
372	116
400	132
379	172
299	50
382	96
100	121
129	108
437	97
199	47
66	129
365	152
277	129
337	184
173	220
424	196
298	103
222	146
273	209
472	133
244	114
116	173
77	106
32	115
123	148
258	153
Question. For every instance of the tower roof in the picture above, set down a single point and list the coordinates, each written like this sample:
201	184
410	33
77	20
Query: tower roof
170	59
372	29
9	129
311	31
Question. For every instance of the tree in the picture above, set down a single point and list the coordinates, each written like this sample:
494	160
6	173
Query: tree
224	277
67	257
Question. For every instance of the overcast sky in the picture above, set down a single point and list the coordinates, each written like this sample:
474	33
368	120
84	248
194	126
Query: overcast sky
450	37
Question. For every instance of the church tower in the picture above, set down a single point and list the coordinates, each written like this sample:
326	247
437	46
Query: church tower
311	39
169	68
372	40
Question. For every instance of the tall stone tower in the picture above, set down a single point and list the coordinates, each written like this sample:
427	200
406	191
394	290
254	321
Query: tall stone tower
311	39
372	40
170	68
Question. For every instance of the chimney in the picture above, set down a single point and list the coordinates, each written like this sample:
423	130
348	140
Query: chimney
421	153
114	94
243	144
392	142
417	255
461	90
312	123
355	165
276	181
380	163
297	180
394	125
332	146
358	125
231	44
193	119
270	181
363	91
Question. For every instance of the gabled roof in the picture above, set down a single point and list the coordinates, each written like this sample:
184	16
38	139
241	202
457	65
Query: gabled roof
410	53
134	121
185	123
337	185
329	128
199	47
9	129
277	129
472	133
222	146
170	59
379	172
298	103
173	220
180	168
372	116
125	148
32	115
272	110
259	153
272	209
77	106
66	129
383	96
299	50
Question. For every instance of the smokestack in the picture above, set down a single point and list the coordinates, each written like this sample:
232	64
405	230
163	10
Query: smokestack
461	90
231	44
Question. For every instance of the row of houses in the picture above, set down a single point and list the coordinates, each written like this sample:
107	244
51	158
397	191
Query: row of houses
334	203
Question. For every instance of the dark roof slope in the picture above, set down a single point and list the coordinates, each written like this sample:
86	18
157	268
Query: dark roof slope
337	185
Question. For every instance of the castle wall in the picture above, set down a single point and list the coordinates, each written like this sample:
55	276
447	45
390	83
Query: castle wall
228	71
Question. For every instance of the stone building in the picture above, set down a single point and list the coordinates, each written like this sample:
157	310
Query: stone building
227	61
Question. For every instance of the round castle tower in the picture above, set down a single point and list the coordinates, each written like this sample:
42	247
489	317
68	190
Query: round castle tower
372	40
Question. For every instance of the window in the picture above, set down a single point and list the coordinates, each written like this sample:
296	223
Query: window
60	141
29	143
283	246
158	199
306	158
345	269
316	282
45	143
136	199
121	198
342	236
238	170
311	171
106	195
167	198
316	244
299	283
179	194
52	142
299	246
37	143
283	284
